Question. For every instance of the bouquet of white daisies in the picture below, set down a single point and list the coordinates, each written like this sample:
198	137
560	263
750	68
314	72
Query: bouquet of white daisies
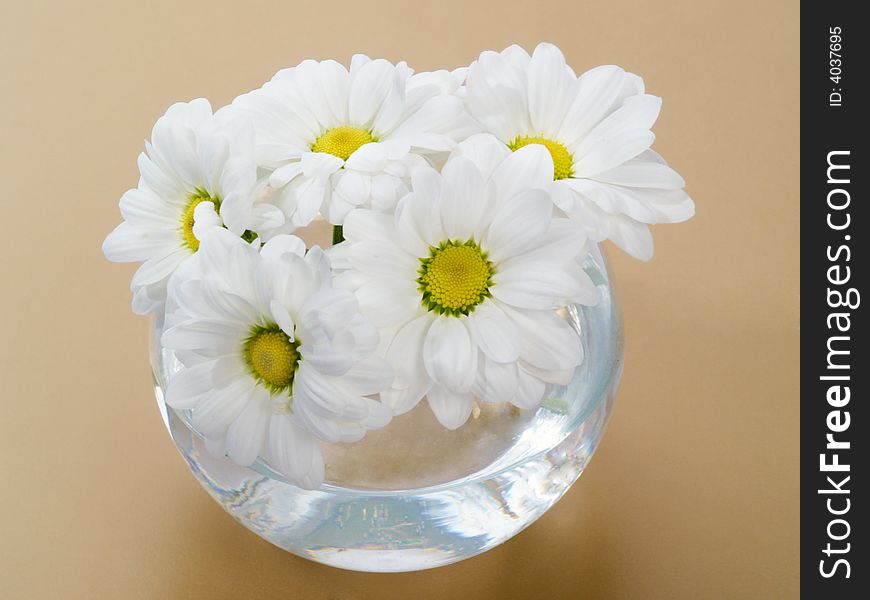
463	203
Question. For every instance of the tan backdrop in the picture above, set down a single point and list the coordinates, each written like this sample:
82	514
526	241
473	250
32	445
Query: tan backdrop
693	493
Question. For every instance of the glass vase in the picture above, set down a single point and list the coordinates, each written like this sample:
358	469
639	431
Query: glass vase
415	495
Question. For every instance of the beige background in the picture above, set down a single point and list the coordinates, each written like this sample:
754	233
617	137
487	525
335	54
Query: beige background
694	492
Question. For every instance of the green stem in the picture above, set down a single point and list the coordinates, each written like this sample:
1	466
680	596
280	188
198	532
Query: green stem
337	234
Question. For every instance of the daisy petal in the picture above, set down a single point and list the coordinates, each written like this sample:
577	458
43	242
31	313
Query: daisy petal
318	165
449	356
519	225
530	391
643	174
494	333
294	452
129	243
547	340
541	285
462	198
246	435
159	268
282	244
497	381
189	384
451	409
530	167
368	376
405	355
372	85
633	237
551	89
599	92
217	410
485	151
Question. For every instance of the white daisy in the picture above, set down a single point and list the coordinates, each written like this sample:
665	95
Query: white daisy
464	279
275	358
597	129
196	173
332	139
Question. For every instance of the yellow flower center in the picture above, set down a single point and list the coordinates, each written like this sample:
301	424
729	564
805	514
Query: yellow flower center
272	358
187	220
342	141
563	162
455	278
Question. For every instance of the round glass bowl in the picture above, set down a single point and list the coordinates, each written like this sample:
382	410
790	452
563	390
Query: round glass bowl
415	495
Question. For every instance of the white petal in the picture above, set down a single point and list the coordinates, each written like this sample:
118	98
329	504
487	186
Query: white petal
530	391
449	355
316	87
519	224
246	435
485	151
294	452
494	333
381	258
281	244
497	381
188	385
196	334
311	195
462	198
556	377
372	85
130	243
217	410
204	218
213	151
164	185
645	174
327	312
229	306
633	237
541	284
418	218
386	191
551	89
496	95
229	259
671	206
530	167
351	187
389	301
328	85
366	224
517	56
142	207
368	376
451	409
158	268
547	340
599	92
622	136
283	319
405	355
144	302
391	110
264	217
315	390
426	128
565	238
285	174
318	165
369	158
